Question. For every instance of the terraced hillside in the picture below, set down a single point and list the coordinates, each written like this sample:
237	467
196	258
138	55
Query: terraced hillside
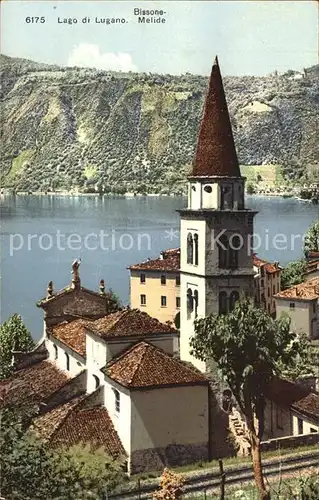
65	128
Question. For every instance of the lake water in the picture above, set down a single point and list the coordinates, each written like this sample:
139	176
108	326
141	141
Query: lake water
42	235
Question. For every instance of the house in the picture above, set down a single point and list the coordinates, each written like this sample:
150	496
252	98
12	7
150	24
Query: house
267	283
301	303
291	410
155	286
114	381
312	269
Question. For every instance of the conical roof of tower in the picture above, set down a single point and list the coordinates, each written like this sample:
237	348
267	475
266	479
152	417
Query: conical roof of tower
215	152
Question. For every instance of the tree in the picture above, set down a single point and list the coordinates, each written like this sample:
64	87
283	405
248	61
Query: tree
31	470
14	336
249	347
250	188
293	274
311	243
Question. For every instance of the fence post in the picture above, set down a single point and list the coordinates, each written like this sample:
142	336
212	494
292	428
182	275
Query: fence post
222	479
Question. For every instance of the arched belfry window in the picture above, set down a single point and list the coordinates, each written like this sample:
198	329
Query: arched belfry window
223	306
196	249
190	302
223	250
195	302
234	296
234	246
190	248
67	362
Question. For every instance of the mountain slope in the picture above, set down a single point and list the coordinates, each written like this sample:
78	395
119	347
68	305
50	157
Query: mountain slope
72	127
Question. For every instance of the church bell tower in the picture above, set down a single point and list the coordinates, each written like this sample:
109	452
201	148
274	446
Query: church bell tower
216	228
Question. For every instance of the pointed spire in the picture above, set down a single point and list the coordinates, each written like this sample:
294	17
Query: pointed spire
215	152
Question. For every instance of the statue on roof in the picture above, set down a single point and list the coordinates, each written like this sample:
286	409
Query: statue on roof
75	271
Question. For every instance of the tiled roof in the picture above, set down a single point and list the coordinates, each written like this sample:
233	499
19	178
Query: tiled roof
73	334
169	262
289	394
215	152
312	266
71	423
128	323
308	290
268	266
145	365
309	405
37	382
313	255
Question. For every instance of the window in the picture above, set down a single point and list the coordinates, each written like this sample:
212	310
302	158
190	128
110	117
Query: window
55	350
208	189
96	381
189	248
273	290
234	296
268	291
223	303
223	252
262	271
67	362
300	426
196	249
291	305
262	283
196	302
163	279
163	301
314	307
142	278
279	418
313	430
178	280
178	302
190	304
143	300
233	251
117	405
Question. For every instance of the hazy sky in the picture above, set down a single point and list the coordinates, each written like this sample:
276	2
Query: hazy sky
250	37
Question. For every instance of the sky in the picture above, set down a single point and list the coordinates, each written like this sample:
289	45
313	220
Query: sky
249	37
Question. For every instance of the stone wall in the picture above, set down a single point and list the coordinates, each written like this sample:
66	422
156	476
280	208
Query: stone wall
154	459
290	442
24	359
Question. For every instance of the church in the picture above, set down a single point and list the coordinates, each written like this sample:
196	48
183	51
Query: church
120	378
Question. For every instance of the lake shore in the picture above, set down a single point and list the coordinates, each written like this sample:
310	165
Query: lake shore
136	195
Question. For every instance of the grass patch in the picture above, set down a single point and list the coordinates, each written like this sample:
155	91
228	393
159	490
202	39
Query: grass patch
270	174
18	164
90	171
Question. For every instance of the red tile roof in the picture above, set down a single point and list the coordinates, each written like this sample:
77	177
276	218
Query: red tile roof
299	398
313	255
72	423
308	290
268	266
72	334
215	153
37	383
145	365
128	323
170	262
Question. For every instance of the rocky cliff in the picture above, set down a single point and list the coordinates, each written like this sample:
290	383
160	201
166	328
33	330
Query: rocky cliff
72	127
